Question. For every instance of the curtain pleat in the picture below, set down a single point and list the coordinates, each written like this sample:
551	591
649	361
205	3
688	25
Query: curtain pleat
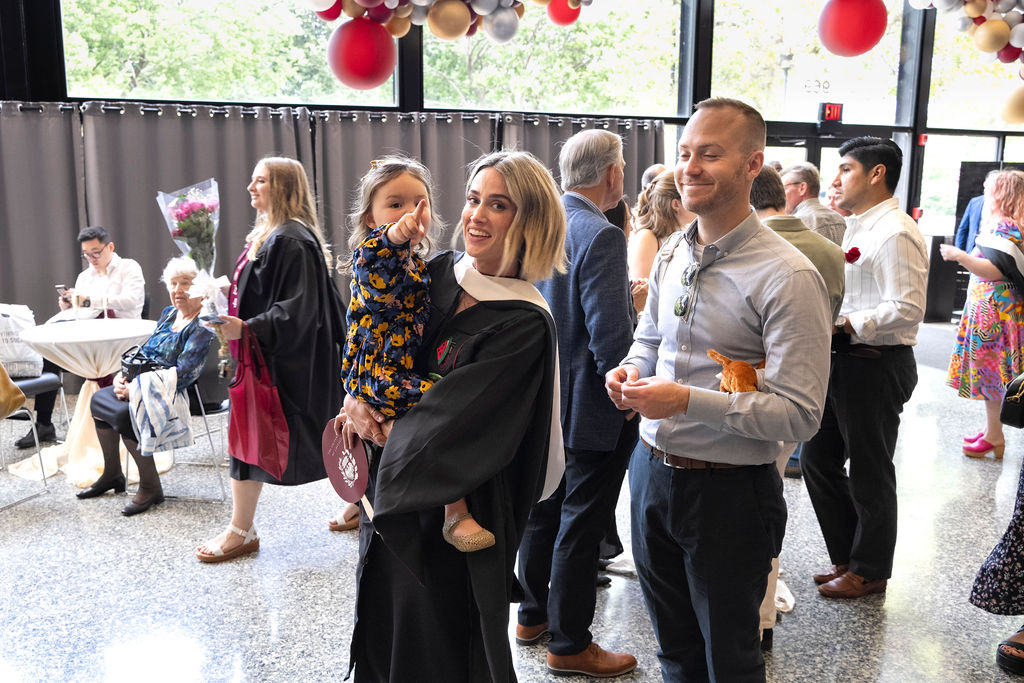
41	202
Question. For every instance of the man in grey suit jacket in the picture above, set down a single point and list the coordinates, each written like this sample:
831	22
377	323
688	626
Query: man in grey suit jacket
591	308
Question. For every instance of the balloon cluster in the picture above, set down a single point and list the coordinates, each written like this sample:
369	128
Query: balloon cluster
997	27
362	54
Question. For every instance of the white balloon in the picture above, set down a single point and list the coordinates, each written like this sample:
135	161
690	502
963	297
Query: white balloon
924	4
962	23
320	5
391	4
501	25
422	3
485	7
989	56
1005	5
509	3
1013	18
947	5
1017	35
419	14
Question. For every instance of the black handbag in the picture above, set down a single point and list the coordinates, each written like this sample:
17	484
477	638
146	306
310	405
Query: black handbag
134	363
1012	411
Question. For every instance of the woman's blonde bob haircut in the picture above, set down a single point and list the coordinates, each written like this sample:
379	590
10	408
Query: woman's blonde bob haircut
654	210
536	238
290	200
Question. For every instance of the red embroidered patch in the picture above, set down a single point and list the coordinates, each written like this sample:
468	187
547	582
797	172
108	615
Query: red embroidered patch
443	350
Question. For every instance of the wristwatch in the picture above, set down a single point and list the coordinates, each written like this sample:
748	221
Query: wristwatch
841	323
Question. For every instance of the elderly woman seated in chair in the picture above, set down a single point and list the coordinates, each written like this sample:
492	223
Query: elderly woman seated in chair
179	343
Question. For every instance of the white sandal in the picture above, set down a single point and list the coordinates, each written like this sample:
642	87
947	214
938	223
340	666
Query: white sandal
250	544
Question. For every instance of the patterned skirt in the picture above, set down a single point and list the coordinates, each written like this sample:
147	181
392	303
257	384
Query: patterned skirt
999	586
987	353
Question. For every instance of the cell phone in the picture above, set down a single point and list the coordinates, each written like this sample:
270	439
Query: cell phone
61	289
212	319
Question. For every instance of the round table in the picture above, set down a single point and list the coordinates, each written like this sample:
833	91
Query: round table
92	349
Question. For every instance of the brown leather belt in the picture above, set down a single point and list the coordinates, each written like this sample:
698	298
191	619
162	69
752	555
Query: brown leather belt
681	462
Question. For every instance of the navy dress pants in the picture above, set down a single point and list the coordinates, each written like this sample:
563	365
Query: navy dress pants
559	552
703	543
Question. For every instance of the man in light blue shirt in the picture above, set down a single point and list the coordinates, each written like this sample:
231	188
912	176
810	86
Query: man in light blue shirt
707	507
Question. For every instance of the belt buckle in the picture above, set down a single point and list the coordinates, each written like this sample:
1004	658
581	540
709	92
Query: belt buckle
664	460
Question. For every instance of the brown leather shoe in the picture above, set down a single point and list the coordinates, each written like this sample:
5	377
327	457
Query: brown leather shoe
594	661
528	635
851	585
834	572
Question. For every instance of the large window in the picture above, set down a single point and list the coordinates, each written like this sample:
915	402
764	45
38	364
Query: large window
769	55
941	179
226	50
968	89
618	58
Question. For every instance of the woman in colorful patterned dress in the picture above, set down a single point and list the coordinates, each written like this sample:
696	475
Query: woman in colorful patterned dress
987	353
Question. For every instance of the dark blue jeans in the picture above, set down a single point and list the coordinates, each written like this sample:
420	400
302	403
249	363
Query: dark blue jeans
562	543
703	542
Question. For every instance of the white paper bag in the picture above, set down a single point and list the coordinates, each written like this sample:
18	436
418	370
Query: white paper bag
17	358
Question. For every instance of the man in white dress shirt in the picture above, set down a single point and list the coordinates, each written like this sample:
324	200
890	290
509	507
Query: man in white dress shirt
109	282
802	186
873	373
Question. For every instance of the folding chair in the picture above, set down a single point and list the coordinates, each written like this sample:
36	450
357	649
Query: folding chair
30	387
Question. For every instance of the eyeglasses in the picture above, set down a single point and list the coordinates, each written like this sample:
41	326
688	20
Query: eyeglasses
685	303
789	184
93	255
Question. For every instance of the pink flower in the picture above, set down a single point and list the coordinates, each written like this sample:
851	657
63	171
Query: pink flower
177	233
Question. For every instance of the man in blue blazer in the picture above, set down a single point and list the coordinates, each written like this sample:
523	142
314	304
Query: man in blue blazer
591	308
967	231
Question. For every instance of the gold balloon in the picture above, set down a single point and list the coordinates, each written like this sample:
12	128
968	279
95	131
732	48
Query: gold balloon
1013	108
992	35
449	19
543	3
398	26
403	10
351	8
520	10
574	4
975	8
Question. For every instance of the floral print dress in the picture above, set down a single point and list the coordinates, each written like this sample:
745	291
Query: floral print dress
386	316
987	353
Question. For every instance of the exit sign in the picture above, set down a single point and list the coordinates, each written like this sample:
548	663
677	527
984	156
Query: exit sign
830	117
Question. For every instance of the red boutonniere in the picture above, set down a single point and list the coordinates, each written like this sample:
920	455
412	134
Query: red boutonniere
852	255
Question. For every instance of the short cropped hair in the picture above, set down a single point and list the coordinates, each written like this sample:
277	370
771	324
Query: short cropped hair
871	151
650	173
586	156
177	267
536	237
757	131
94	232
806	173
767	191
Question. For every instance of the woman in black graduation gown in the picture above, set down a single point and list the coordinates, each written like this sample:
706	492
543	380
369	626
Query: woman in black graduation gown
282	293
485	432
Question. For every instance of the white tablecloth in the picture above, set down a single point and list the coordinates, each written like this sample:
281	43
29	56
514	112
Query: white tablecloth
92	349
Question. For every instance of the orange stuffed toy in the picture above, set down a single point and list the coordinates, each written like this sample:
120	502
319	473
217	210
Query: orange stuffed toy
737	375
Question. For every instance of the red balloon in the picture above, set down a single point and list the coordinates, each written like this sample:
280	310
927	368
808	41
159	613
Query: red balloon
978	21
380	14
331	14
361	53
852	27
560	13
1008	54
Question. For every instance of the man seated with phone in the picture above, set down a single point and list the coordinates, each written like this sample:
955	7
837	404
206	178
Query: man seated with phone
111	284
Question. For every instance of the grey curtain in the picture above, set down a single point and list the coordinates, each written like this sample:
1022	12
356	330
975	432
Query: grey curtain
133	150
346	142
42	205
543	136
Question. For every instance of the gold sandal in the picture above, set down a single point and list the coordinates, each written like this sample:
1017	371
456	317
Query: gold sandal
466	544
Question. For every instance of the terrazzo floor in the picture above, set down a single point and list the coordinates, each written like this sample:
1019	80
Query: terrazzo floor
89	595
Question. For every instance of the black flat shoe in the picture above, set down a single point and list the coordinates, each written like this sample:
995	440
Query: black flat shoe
134	508
1014	663
98	489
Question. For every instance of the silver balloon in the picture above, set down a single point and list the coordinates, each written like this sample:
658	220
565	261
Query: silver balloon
485	7
924	4
947	5
1002	6
509	3
1012	18
962	23
501	25
423	3
419	14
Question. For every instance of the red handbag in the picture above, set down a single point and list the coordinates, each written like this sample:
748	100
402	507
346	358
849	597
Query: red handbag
257	430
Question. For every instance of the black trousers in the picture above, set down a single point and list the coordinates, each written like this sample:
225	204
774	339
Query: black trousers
857	512
562	543
703	542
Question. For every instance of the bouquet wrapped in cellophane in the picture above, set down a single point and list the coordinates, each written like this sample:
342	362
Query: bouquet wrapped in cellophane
193	214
